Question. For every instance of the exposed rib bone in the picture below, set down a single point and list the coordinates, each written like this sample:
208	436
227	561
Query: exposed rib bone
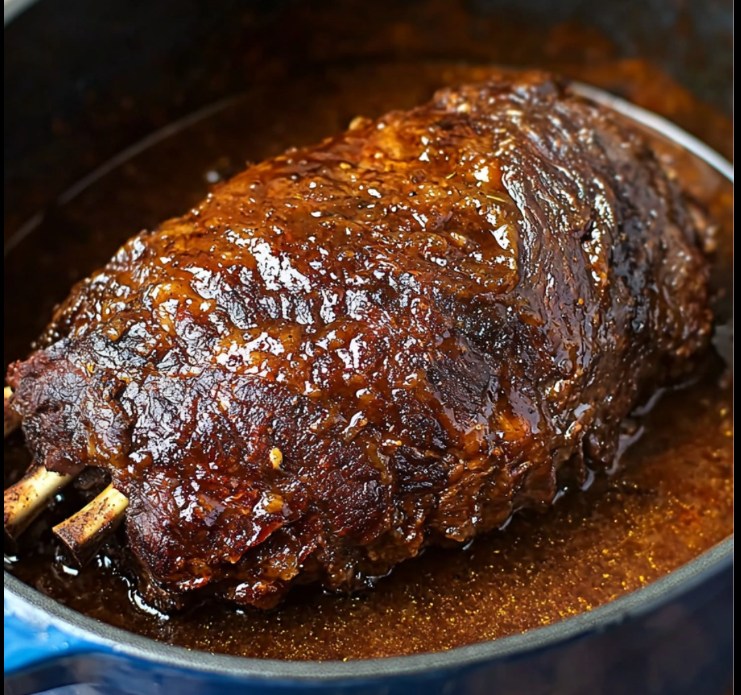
10	418
83	532
25	500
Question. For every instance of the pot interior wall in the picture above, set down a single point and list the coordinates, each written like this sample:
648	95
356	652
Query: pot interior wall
84	80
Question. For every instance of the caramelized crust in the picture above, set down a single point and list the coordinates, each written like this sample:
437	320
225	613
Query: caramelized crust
398	337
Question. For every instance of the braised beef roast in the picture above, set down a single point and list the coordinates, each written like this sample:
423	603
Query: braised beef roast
395	338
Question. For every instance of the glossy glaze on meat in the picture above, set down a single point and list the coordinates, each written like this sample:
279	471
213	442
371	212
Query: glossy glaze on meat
396	338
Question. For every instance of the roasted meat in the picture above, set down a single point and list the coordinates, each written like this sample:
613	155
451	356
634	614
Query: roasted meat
395	338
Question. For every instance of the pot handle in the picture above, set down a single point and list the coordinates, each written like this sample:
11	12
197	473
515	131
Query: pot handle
38	654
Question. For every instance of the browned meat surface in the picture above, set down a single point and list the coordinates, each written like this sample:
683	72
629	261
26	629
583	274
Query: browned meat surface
396	338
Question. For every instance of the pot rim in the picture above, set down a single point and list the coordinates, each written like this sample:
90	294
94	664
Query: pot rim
11	8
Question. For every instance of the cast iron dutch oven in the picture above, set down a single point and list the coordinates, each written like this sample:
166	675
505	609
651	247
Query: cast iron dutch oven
114	71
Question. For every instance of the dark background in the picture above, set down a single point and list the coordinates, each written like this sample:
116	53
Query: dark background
85	78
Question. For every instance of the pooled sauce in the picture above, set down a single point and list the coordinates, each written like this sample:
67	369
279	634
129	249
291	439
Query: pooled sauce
671	501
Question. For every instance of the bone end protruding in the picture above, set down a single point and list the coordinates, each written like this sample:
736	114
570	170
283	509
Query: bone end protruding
11	419
25	500
84	532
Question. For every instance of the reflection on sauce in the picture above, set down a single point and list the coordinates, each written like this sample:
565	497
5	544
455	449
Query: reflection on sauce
673	501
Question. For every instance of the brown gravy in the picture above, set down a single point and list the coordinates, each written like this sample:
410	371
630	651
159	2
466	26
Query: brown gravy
672	501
